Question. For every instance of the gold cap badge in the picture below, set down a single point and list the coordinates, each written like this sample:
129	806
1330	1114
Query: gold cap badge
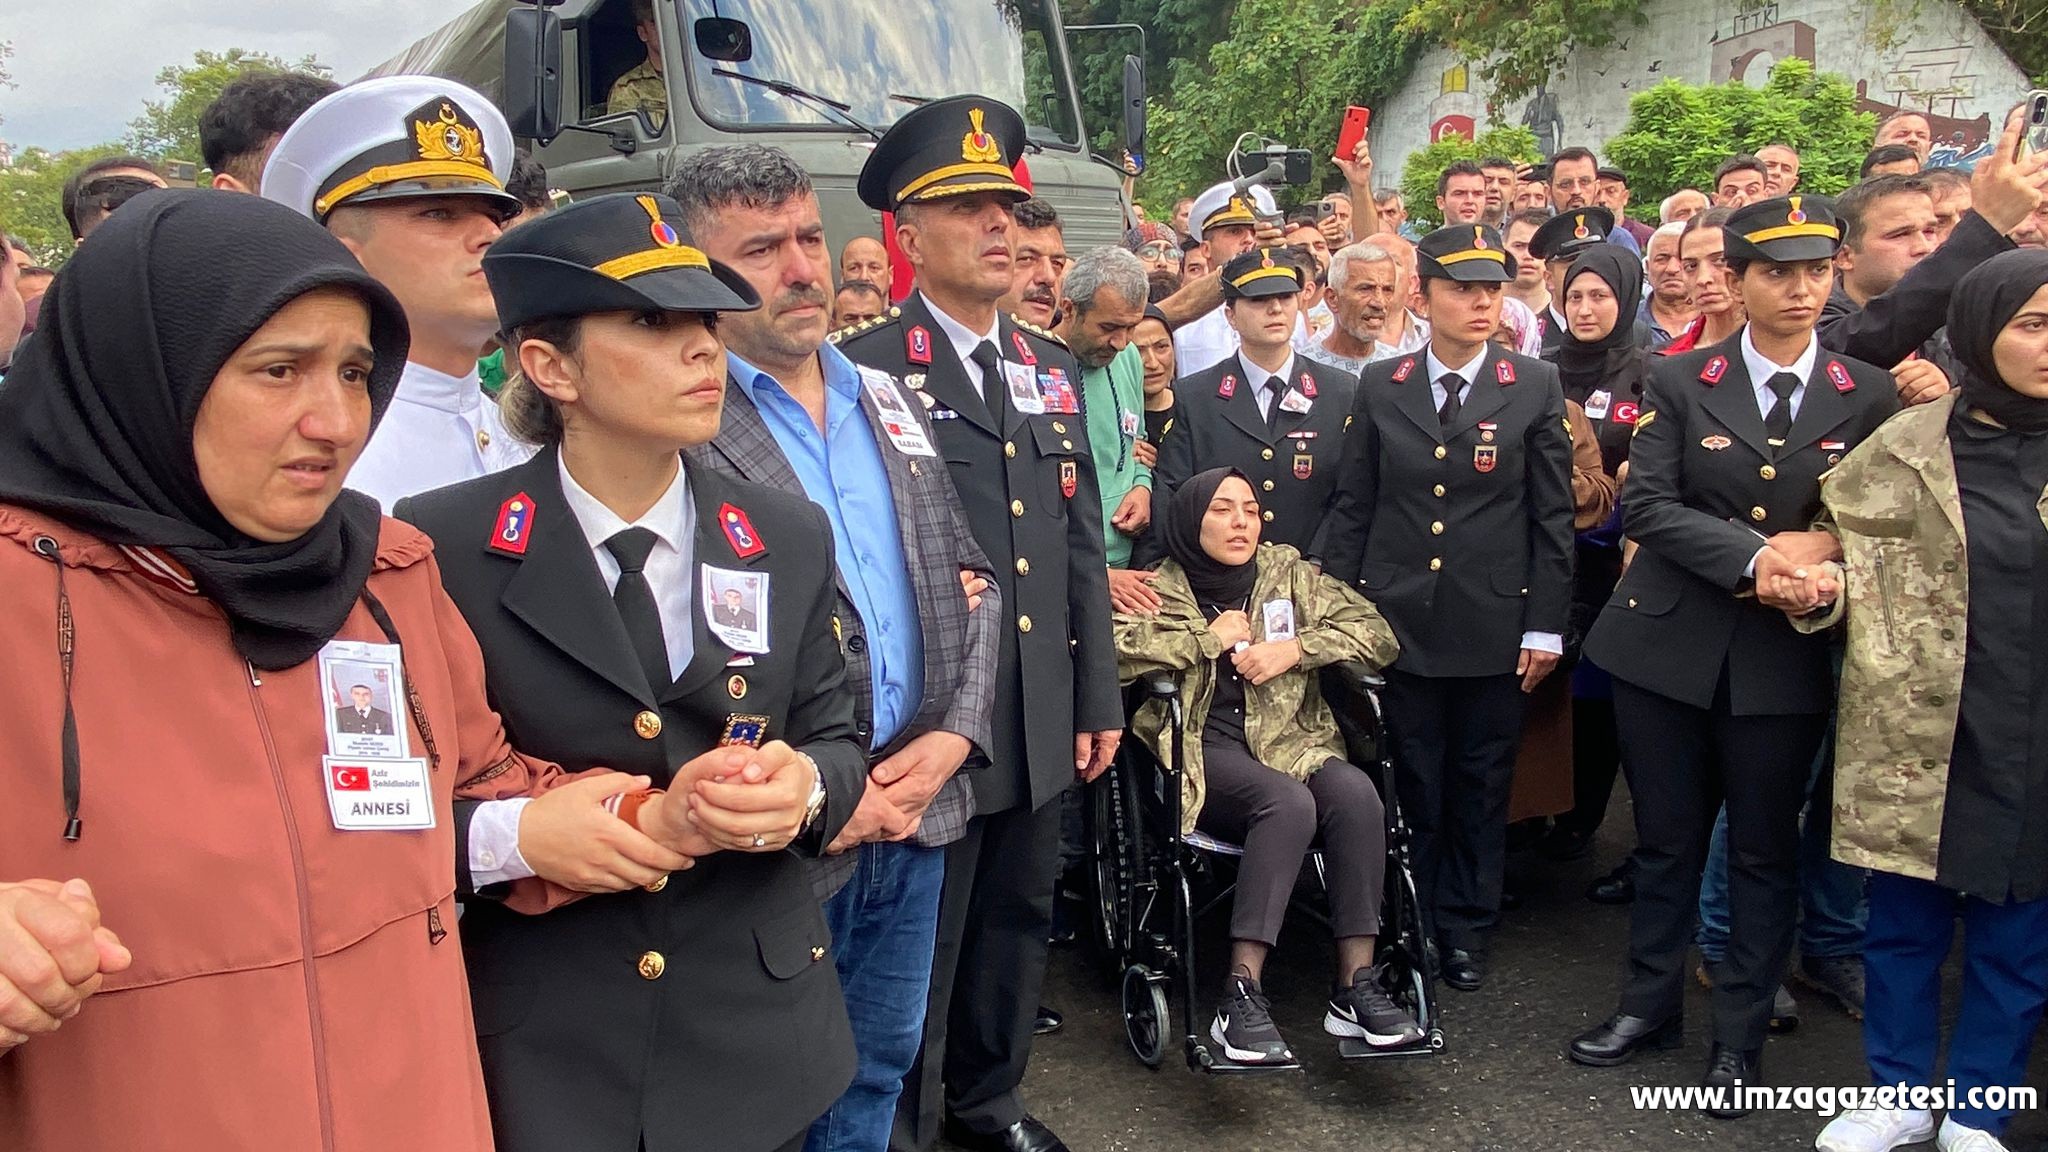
978	147
448	138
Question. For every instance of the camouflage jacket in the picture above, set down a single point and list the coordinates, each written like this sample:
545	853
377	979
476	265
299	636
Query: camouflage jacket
1287	724
1895	504
642	89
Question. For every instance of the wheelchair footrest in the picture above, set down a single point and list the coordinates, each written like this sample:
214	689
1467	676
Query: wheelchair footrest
1353	1048
1202	1058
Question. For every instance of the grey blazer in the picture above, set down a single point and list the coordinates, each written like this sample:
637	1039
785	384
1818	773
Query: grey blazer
960	648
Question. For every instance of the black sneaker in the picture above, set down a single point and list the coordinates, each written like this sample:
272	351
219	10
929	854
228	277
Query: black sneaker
1244	1026
1365	1012
1839	977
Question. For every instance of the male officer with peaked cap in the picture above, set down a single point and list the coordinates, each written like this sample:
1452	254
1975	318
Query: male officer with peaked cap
1281	423
1227	221
703	1011
409	172
1002	396
1453	515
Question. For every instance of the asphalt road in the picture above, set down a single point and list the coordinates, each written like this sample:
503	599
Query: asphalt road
1502	1084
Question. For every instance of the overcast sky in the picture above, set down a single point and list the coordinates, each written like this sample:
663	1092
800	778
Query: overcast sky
83	68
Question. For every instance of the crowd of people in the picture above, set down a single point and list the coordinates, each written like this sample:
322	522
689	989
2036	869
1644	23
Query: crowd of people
532	780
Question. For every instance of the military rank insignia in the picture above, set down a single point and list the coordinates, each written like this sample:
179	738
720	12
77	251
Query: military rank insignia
744	729
1228	388
1070	478
1839	377
739	532
917	344
515	526
1715	369
1402	370
1484	456
1308	385
1505	371
1024	352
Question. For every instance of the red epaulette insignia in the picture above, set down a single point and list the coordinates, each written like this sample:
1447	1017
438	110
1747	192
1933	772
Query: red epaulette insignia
1024	351
515	526
1402	370
1505	371
739	532
917	344
1715	369
1840	377
1228	388
1308	385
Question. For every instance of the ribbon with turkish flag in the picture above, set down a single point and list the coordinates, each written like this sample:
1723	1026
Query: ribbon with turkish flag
900	272
350	777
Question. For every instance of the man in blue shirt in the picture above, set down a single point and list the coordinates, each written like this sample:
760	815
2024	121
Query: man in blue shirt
801	416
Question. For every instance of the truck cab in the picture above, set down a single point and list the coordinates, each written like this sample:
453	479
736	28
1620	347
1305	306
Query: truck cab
729	70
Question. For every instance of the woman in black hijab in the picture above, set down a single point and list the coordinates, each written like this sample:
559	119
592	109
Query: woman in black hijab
1246	625
191	595
1943	794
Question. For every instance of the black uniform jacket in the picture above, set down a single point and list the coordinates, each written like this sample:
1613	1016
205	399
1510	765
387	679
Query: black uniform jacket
1463	541
1292	462
1894	325
1704	492
1028	487
709	1014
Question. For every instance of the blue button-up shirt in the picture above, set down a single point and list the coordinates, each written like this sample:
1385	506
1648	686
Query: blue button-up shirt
843	473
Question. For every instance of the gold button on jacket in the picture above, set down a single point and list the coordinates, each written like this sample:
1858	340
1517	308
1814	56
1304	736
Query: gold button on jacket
1436	563
1023	566
1757	514
647	725
1017	509
1023	623
652	965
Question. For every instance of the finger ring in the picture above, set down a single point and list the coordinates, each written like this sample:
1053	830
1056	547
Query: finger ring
760	841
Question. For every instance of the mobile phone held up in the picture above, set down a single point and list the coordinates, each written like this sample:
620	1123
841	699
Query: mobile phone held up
1355	121
2034	133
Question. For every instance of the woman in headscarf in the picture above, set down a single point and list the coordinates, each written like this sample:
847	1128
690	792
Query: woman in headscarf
1603	372
192	600
1246	625
1941	753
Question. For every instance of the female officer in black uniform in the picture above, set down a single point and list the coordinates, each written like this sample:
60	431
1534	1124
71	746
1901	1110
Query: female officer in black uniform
1716	695
699	1012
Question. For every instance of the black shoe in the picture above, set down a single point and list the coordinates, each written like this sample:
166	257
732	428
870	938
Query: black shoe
1365	1012
1462	970
1026	1135
1838	977
1049	1021
1244	1026
1617	1040
1724	1067
1617	887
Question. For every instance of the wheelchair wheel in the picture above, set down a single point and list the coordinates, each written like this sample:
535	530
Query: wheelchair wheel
1146	1020
1118	840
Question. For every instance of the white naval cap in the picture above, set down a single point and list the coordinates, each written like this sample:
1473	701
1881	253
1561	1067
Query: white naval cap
391	137
1222	204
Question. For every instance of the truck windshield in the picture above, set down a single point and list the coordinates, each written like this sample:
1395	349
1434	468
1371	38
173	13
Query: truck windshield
883	57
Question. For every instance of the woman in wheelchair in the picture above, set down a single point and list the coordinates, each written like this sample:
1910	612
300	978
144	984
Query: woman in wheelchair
1246	625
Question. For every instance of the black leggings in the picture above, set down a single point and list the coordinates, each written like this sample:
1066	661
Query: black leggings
1277	818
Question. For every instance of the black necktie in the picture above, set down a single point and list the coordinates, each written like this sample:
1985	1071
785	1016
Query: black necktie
635	601
1448	414
991	375
1275	389
1778	421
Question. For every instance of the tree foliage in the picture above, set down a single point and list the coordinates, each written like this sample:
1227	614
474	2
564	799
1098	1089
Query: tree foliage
1286	70
169	128
1174	29
31	198
1419	175
1519	47
1678	133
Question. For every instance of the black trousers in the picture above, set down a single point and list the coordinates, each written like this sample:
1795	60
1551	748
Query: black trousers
1454	763
1596	760
1685	762
1276	818
988	967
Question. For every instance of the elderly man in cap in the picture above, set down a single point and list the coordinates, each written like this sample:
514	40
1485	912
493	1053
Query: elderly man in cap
409	172
1006	418
1453	515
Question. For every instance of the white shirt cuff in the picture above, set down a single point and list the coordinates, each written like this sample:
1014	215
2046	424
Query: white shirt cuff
1549	642
1750	570
494	843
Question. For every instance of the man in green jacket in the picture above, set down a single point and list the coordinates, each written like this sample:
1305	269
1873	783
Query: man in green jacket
1102	299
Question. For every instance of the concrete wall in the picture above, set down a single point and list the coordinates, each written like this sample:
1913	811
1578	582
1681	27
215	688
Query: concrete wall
1946	67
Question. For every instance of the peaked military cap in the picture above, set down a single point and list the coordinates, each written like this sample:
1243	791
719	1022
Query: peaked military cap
387	138
944	148
1783	229
1471	252
618	253
1222	204
1571	232
1261	272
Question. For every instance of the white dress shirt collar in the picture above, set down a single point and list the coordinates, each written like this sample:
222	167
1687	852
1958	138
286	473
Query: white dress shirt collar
1257	376
1469	373
424	386
964	339
1762	368
668	519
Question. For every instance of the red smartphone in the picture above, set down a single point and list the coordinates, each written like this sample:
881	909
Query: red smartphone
1355	121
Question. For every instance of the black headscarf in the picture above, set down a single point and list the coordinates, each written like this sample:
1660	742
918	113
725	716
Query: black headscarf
1984	302
1583	365
1212	581
97	413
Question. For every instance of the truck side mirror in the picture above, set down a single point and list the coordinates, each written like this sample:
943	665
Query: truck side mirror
723	38
1134	106
533	73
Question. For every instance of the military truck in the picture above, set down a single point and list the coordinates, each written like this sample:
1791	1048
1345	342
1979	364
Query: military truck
819	78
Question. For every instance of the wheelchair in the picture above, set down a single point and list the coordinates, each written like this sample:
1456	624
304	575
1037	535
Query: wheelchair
1145	878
